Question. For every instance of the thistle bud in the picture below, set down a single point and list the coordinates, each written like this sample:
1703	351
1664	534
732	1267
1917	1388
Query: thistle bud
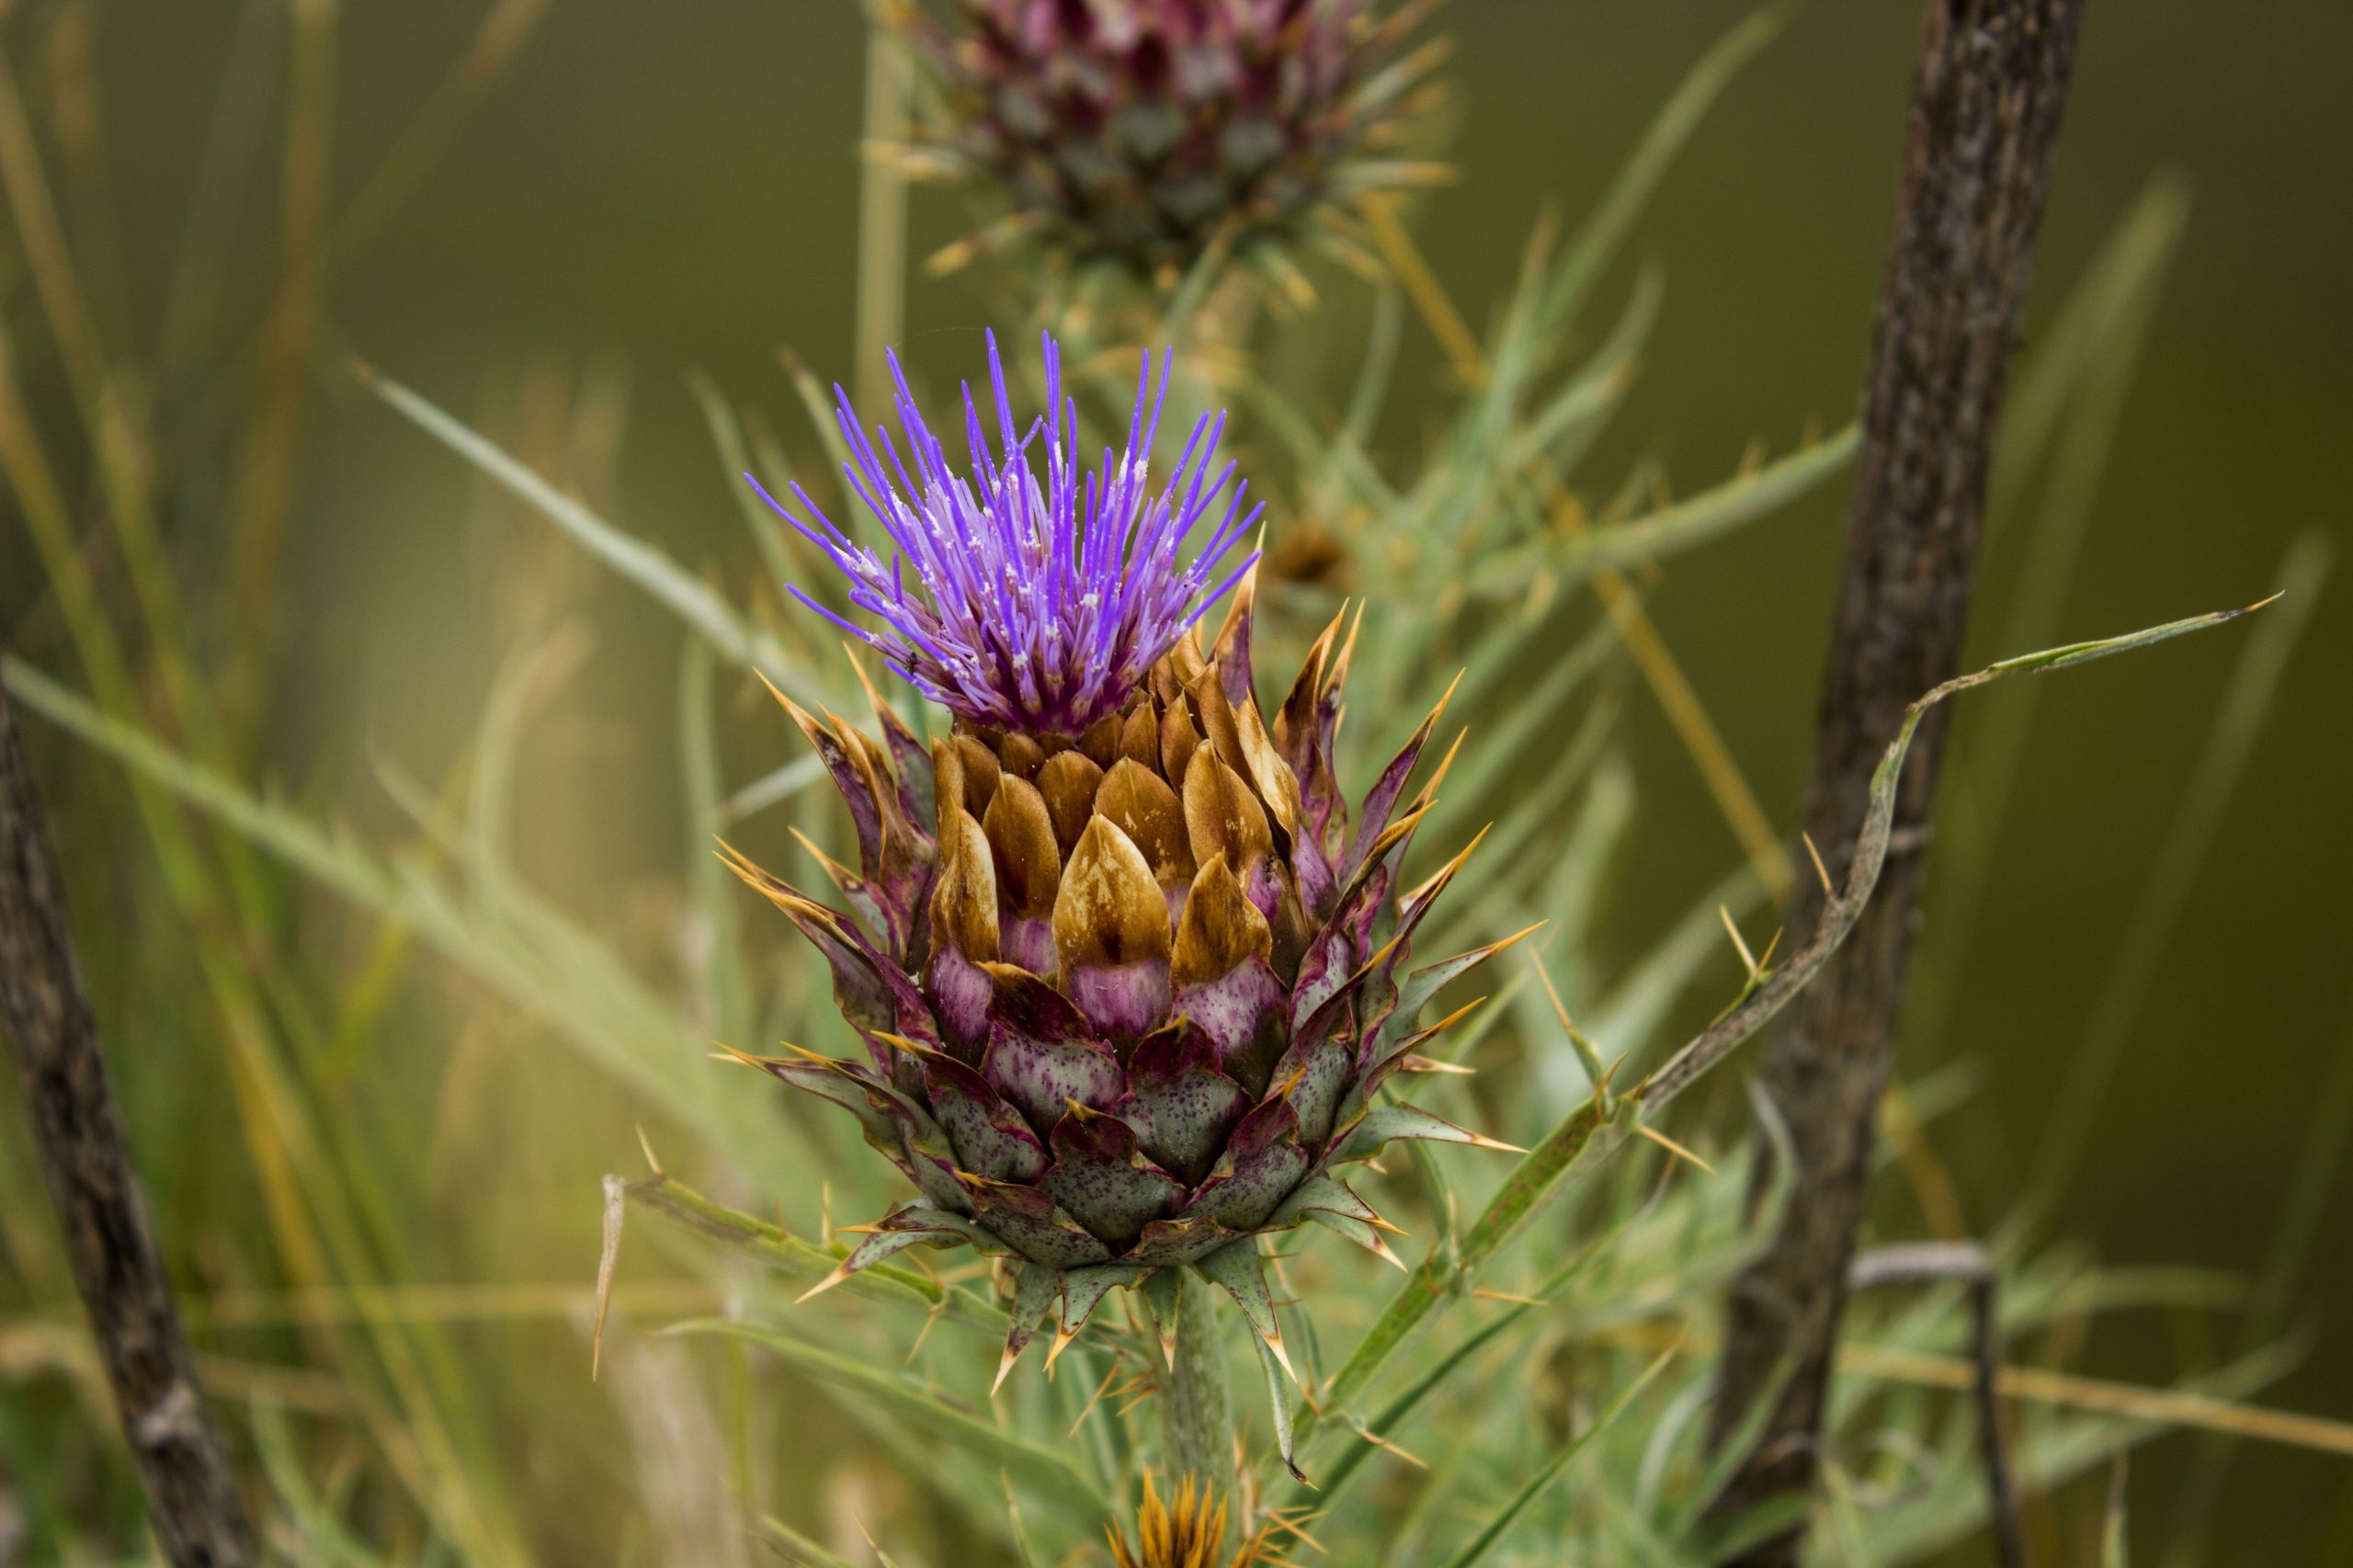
1141	131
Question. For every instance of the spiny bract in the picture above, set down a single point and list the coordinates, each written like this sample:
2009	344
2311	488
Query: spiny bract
1128	996
1141	131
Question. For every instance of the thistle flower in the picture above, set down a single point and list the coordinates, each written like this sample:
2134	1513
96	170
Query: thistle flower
1130	981
1037	606
1140	131
1184	1533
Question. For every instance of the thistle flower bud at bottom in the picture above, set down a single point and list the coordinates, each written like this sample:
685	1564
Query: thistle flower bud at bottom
1183	1532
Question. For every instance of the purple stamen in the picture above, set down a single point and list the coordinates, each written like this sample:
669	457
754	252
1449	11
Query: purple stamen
1030	605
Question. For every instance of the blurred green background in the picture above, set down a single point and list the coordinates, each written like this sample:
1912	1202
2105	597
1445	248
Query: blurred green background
650	190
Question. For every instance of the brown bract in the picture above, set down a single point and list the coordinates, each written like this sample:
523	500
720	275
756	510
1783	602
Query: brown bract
1068	781
1137	801
1220	930
963	902
1110	910
1025	848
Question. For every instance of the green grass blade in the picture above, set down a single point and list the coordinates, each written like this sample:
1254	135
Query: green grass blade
1496	1528
796	1548
2095	328
2140	952
727	996
1638	1004
1370	393
348	871
807	1263
538	961
2073	394
692	600
727	435
1053	1477
315	1535
772	789
1590	252
1743	499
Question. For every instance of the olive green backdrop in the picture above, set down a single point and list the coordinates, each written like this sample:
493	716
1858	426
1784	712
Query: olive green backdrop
668	185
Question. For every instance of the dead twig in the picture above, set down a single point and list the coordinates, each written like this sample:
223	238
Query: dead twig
1991	83
192	1498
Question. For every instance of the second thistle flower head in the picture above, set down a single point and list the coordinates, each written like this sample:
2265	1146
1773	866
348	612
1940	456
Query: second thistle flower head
1140	133
1027	593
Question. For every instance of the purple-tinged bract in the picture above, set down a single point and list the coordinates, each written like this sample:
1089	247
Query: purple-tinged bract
1027	593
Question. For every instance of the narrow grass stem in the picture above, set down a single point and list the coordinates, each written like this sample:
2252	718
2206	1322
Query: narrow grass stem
881	210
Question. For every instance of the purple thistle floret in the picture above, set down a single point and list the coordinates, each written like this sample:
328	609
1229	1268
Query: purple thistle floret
1030	606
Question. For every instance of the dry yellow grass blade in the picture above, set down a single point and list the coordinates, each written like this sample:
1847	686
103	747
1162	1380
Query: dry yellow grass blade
2068	1390
2172	1407
490	1302
28	1350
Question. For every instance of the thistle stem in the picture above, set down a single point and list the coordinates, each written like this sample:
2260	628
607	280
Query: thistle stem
1198	1409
